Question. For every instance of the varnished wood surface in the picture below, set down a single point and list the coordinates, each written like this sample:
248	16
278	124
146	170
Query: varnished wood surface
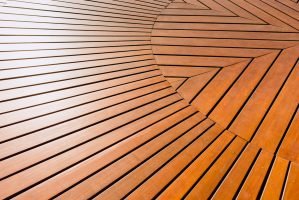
149	99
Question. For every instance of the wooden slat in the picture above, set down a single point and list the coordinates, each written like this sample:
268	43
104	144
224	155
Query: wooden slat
275	183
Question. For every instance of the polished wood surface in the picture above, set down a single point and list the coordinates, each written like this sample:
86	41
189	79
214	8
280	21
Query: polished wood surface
149	99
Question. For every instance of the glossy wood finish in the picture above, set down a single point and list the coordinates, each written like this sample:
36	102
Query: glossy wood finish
239	69
149	99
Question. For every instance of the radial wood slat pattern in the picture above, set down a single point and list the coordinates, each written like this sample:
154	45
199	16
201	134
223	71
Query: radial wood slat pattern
149	99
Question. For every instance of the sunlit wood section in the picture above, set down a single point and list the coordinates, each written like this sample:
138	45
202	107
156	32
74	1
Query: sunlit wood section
149	99
239	68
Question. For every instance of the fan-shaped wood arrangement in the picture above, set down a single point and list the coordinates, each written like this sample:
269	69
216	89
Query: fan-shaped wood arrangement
149	99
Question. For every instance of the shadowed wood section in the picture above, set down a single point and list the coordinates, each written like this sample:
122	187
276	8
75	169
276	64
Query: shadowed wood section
149	99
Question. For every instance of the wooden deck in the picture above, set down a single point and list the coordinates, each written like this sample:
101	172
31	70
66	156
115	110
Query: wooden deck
149	99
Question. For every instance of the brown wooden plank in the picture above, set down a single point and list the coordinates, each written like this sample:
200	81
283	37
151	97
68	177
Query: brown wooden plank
275	183
291	191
